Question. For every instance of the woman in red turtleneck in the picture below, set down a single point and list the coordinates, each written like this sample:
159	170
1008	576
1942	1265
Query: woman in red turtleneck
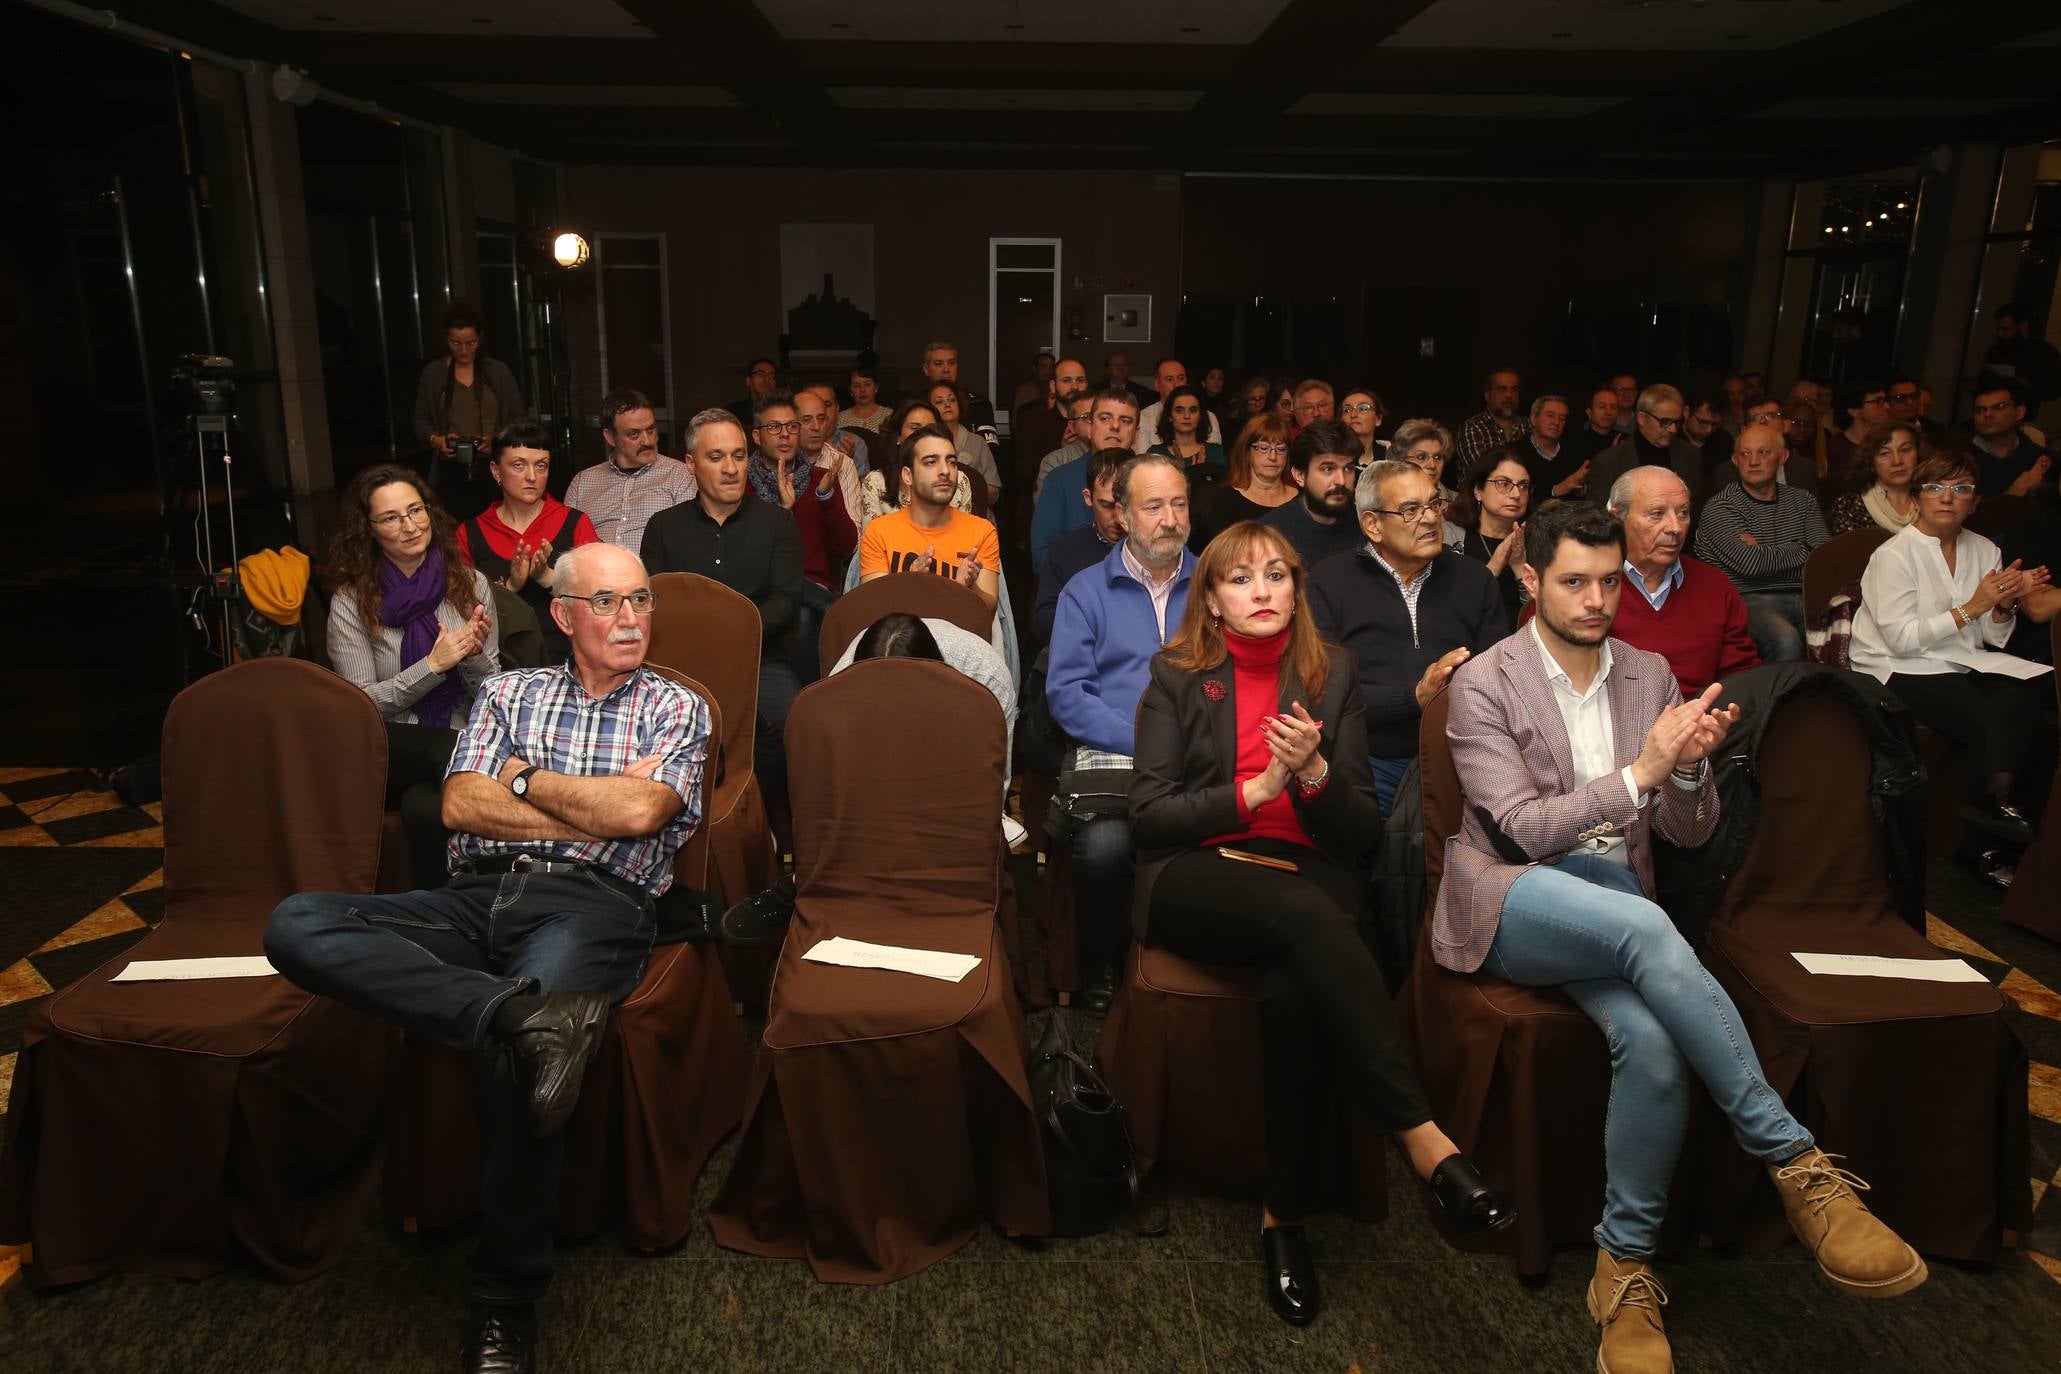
1252	745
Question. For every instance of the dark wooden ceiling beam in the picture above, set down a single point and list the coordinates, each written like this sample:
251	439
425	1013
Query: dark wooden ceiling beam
733	42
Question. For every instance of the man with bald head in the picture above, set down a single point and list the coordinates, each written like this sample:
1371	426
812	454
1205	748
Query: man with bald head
1758	532
569	792
1683	609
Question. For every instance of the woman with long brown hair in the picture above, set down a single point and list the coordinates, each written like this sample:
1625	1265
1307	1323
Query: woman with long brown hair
1880	491
1255	479
412	623
1253	809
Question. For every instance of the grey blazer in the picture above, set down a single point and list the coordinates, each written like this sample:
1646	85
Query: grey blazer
1517	774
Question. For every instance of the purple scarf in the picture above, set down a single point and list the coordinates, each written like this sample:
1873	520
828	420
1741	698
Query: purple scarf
409	604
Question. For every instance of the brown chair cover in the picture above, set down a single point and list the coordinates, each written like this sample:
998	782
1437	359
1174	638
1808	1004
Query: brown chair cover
664	1089
1182	1051
158	1126
1518	1077
1837	562
2033	902
1056	919
889	1112
1921	1085
918	594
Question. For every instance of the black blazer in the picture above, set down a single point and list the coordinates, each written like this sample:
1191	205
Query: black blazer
1181	780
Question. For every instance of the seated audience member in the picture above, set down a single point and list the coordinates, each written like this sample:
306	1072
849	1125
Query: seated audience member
1705	444
1314	401
1656	432
1574	749
1937	608
865	412
636	482
1496	425
1429	445
516	540
824	497
1112	619
1169	376
1490	518
1758	532
1407	608
1325	461
761	379
1865	404
1907	401
1881	494
1112	423
1180	429
1362	413
971	450
413	625
882	490
1255	480
1254	397
1038	426
1626	386
570	792
823	440
1257	857
1556	473
1079	413
1284	402
1598	431
2008	462
1038	385
1683	609
750	546
941	364
927	534
1805	433
1798	469
1083	548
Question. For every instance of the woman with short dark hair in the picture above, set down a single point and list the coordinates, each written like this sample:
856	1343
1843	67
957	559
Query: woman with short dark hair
516	541
464	395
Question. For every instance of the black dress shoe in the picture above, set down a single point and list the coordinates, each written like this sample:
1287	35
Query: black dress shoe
502	1340
2000	819
551	1047
1098	990
759	919
1472	1208
1290	1273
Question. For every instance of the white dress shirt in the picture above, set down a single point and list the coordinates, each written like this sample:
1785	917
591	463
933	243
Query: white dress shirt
1590	741
1906	621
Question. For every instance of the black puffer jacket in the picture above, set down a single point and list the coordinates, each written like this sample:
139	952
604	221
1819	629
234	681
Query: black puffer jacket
1692	882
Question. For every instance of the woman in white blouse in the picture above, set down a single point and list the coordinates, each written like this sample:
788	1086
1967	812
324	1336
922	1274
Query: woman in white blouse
1936	611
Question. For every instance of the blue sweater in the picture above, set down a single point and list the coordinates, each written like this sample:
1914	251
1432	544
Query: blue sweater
1103	640
1059	507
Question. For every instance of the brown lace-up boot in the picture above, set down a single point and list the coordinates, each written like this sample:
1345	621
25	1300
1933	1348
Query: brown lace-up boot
1855	1250
1625	1299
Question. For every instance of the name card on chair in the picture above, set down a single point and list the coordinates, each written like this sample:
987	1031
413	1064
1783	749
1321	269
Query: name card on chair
162	970
1878	966
931	963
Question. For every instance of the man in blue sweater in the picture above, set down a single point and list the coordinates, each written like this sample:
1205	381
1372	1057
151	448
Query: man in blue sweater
1113	617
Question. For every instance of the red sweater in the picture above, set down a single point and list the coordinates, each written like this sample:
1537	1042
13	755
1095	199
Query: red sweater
1256	671
1700	631
828	536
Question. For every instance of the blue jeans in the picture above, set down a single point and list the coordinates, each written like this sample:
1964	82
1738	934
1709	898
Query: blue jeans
1774	622
1585	925
438	964
1388	775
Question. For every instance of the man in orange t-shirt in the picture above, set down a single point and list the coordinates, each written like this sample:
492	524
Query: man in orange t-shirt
927	535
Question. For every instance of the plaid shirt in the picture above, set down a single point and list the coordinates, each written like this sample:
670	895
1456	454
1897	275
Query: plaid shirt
1477	436
545	717
622	503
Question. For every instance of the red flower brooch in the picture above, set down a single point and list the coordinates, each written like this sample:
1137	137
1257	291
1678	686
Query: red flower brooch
1213	689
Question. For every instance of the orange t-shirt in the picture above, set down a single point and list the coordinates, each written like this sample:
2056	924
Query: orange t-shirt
893	542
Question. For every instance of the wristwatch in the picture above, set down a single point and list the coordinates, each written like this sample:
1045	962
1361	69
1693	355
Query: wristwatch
520	783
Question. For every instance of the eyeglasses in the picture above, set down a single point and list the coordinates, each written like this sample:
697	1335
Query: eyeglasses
780	426
1675	423
605	603
1266	448
1508	484
414	515
1877	399
1959	490
1412	511
1903	395
1357	408
763	373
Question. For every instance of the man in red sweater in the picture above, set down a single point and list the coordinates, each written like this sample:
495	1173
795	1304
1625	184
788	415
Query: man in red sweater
1685	610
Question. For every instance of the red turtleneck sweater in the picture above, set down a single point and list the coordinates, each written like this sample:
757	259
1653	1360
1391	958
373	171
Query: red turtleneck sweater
1256	671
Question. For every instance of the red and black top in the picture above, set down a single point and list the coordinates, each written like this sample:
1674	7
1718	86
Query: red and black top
1256	674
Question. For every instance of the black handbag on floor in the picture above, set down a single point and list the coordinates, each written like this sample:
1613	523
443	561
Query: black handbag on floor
1091	1166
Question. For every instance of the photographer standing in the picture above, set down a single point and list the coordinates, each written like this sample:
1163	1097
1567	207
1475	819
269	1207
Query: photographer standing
465	398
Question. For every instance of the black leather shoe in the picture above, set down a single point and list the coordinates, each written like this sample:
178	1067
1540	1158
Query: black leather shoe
1098	989
1472	1208
551	1047
1290	1273
2000	819
502	1340
760	919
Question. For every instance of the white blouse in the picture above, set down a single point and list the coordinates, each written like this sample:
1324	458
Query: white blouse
1906	620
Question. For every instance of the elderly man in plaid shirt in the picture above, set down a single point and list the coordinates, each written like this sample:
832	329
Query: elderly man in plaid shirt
570	791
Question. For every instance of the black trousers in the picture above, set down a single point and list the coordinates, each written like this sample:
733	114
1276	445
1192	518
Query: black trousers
1988	716
1323	1005
417	757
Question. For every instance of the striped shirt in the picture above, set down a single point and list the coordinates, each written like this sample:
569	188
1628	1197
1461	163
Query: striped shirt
545	717
621	503
1784	531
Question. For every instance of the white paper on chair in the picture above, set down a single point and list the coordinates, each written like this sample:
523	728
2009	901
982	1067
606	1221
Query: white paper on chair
161	970
1877	966
931	963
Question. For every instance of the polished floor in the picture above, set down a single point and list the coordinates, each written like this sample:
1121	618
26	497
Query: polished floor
83	878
